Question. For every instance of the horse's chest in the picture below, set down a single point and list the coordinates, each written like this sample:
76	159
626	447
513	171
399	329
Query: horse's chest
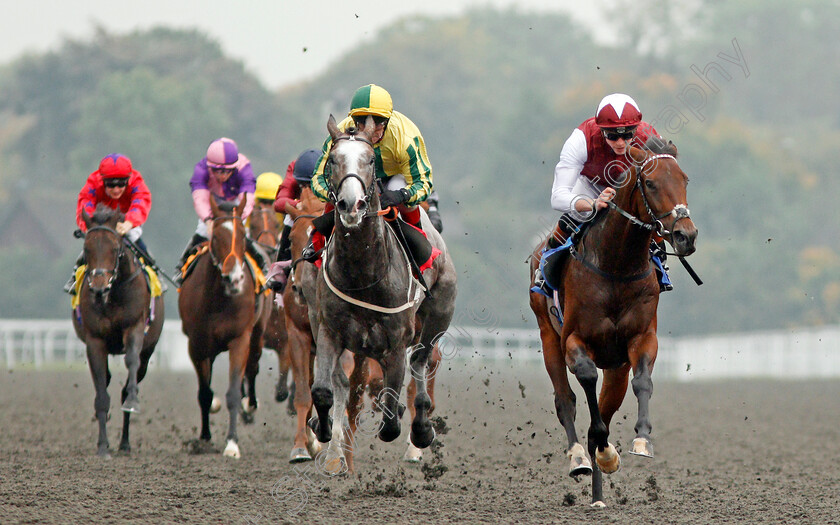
375	338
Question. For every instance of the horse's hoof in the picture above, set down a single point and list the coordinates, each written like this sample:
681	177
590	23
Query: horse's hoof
215	405
597	504
423	437
389	432
642	447
291	410
103	453
246	405
232	450
281	395
608	459
247	418
299	455
125	448
312	444
413	454
334	466
579	461
132	406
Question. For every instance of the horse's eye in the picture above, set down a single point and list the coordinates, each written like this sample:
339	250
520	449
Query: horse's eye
650	185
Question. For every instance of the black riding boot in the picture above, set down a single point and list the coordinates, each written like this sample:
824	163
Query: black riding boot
195	241
434	215
324	225
284	249
70	285
565	227
257	253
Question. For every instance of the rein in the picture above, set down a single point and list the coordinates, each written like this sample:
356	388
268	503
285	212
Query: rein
115	271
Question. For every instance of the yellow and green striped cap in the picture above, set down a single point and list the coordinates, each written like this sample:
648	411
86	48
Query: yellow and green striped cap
371	100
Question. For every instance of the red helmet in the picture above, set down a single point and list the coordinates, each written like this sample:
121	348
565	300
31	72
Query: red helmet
618	111
115	166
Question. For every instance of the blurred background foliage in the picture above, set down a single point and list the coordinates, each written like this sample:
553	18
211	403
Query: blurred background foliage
496	93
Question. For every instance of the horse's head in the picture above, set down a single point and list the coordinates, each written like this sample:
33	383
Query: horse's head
351	173
308	209
227	245
264	227
659	196
103	250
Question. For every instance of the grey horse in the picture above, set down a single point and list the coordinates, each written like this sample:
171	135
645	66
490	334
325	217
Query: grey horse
368	301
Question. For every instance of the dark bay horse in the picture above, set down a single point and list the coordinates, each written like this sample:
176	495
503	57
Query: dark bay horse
369	303
297	297
265	228
115	317
609	294
221	311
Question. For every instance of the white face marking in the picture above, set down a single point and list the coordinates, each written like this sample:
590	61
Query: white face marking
228	225
352	155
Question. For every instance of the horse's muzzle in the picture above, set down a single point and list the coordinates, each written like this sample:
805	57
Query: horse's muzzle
683	238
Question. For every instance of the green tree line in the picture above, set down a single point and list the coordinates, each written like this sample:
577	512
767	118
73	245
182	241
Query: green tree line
745	91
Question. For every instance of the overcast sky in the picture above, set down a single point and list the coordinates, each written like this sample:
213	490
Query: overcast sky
269	36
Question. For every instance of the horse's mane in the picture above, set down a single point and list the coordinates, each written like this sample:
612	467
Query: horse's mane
658	146
102	214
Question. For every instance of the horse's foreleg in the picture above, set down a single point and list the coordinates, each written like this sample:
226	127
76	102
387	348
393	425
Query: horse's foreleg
422	432
299	349
98	362
133	344
564	398
281	390
335	461
604	453
249	388
355	403
393	370
204	371
238	354
322	388
642	358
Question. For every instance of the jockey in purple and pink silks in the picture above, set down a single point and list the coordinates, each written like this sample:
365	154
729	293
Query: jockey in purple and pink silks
225	175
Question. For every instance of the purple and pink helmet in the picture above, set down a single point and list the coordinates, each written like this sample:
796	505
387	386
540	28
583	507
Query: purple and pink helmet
222	153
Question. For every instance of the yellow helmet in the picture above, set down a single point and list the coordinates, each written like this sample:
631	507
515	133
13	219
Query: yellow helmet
371	100
267	184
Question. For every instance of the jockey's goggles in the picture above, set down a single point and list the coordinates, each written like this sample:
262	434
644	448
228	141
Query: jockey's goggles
615	135
359	120
115	183
221	169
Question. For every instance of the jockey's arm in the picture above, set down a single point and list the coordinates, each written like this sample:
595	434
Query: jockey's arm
567	173
319	182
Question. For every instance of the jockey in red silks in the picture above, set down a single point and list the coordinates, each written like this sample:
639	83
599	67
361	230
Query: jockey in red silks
225	175
401	159
592	159
117	185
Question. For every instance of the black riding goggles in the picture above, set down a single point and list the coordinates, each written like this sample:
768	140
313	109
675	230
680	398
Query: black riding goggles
359	120
115	183
614	135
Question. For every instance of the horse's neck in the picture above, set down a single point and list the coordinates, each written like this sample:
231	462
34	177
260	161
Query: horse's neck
616	245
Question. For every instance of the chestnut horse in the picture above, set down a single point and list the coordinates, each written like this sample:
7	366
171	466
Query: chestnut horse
297	297
222	311
265	228
116	316
608	294
368	302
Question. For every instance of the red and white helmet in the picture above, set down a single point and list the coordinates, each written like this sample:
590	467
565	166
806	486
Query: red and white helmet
618	111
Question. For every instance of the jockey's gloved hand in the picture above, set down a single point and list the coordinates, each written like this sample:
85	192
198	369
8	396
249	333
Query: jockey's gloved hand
393	197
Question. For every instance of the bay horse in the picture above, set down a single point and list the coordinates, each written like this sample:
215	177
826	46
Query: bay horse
609	294
368	301
117	315
222	311
264	228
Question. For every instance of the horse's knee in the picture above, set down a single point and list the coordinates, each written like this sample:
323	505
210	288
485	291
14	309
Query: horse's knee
205	396
322	398
586	372
642	384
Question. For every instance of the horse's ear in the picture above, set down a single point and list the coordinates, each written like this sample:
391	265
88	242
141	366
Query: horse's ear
673	148
240	207
370	126
332	127
214	208
638	155
86	217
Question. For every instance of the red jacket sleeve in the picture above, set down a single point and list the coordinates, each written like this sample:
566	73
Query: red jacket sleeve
139	200
289	191
88	198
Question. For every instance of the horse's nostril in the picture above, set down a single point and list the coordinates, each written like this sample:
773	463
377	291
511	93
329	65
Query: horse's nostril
361	205
342	206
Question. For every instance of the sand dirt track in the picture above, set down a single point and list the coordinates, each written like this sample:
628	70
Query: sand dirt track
733	452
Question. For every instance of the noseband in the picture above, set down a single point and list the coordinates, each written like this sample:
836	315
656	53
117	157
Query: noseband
120	253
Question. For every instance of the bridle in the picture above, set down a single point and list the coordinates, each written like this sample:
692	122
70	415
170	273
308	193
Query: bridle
332	193
266	229
115	271
232	253
679	211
